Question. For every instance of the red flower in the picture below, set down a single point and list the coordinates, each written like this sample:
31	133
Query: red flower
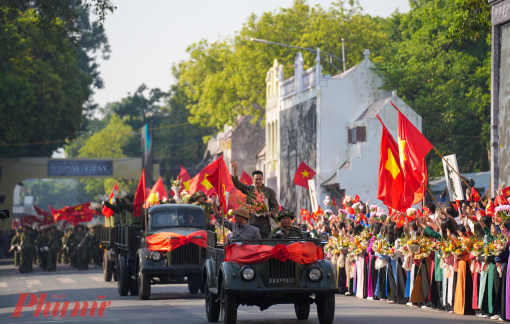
280	253
184	240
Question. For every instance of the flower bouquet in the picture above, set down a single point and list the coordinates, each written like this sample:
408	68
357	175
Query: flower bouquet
342	214
176	187
436	246
328	214
328	202
364	237
476	247
503	212
500	244
183	197
356	249
411	214
413	245
381	246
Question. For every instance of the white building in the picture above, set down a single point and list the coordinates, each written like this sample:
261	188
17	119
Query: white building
329	123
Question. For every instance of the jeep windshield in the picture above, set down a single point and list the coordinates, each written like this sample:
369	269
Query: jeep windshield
176	218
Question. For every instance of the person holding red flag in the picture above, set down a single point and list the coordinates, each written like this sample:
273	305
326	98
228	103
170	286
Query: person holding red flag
261	221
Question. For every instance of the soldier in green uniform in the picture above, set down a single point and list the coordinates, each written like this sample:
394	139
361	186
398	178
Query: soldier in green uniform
95	240
33	235
26	246
286	217
262	221
42	241
199	198
81	244
68	248
14	246
52	247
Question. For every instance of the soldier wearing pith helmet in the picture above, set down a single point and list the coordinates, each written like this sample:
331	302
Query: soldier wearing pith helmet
286	217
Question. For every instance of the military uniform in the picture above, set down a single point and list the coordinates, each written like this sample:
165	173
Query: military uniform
53	246
207	207
95	240
26	245
81	252
261	222
42	241
292	232
16	241
114	219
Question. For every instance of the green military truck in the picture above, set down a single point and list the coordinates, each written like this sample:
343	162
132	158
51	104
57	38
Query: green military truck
140	265
237	281
108	237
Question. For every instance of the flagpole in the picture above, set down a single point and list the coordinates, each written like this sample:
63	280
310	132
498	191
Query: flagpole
434	198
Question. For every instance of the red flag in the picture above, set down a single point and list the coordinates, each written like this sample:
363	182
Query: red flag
58	214
456	206
303	174
497	201
305	215
391	179
401	220
413	147
503	200
475	196
505	191
185	180
140	196
246	179
419	212
217	179
356	199
334	202
490	210
107	212
157	190
426	210
234	198
317	213
200	182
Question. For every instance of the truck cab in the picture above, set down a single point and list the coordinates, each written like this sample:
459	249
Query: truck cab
266	272
169	248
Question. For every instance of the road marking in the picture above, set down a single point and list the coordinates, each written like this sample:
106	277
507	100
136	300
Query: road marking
33	282
3	284
97	278
66	280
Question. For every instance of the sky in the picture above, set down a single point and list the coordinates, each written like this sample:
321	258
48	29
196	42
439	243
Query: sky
147	37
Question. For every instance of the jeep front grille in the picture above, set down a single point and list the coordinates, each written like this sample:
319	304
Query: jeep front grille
282	274
189	254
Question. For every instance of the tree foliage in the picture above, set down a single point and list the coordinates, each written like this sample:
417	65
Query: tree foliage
43	90
471	20
223	79
445	82
55	192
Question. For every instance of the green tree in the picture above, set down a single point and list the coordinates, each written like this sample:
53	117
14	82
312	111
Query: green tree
223	79
55	192
444	81
471	20
43	90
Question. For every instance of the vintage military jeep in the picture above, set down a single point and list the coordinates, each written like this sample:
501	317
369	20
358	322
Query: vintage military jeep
169	249
266	272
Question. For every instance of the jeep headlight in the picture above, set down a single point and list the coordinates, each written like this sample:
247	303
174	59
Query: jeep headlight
315	274
156	256
247	273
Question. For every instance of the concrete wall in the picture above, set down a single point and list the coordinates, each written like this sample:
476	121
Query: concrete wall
247	139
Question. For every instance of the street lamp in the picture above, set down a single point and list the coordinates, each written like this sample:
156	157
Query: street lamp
263	41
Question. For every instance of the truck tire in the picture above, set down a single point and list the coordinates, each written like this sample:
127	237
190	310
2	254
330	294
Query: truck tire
107	266
115	271
133	287
203	288
302	310
228	305
212	305
144	286
124	277
193	288
325	308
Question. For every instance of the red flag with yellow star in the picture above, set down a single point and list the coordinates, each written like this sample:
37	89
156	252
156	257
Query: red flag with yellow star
413	147
475	196
107	212
505	191
303	174
246	179
391	179
200	182
217	179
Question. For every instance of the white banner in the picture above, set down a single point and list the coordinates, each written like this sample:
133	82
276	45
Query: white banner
453	181
313	195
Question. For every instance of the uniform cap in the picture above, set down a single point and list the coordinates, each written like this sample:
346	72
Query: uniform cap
286	212
243	212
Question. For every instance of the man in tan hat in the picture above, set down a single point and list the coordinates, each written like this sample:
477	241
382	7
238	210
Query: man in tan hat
241	229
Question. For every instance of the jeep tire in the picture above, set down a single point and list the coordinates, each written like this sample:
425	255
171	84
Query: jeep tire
133	287
144	286
302	310
107	266
124	277
212	305
325	308
228	305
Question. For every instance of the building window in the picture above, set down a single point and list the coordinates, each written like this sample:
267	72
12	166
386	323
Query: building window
356	134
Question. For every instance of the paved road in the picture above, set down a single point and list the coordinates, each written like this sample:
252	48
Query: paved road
173	303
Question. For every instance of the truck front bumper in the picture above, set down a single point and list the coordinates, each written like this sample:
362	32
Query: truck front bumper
181	270
282	291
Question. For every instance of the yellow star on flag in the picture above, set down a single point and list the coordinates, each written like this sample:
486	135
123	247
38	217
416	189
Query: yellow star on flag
391	165
206	183
186	184
305	174
78	208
